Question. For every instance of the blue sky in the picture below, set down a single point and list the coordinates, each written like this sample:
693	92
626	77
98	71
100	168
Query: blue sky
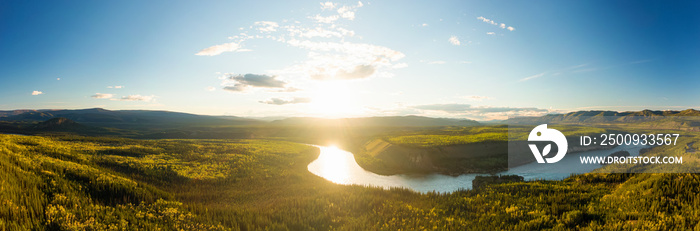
478	60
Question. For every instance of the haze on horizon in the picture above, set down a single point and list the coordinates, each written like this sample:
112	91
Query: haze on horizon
475	60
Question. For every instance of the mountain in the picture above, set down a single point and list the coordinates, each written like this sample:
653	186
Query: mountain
14	112
123	118
58	123
388	121
602	117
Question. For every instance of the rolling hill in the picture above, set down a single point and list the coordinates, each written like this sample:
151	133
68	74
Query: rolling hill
124	118
388	121
602	117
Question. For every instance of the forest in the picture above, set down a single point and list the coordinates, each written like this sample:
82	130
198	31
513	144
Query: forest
70	182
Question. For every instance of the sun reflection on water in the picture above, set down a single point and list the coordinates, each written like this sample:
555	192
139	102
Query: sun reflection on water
335	164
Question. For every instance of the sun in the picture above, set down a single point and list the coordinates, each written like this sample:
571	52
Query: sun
334	99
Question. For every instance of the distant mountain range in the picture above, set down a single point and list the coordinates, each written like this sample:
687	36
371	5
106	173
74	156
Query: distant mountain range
601	117
145	119
109	118
389	121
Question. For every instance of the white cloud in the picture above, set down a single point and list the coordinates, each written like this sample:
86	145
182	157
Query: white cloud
399	65
281	101
477	97
58	79
267	26
210	88
143	98
481	112
486	20
241	83
102	96
424	25
328	5
218	49
320	32
532	77
359	72
116	87
344	60
454	40
330	54
437	62
37	93
326	19
490	33
500	25
346	12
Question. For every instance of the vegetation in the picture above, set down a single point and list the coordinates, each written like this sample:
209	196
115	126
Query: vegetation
446	136
449	136
88	183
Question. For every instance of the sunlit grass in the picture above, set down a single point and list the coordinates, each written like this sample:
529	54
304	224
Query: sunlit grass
83	183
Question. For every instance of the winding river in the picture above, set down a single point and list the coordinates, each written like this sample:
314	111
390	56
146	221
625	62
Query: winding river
339	166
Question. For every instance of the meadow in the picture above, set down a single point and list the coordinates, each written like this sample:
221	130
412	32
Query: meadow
100	183
446	136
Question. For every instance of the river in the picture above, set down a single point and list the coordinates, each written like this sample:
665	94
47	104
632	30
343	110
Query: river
339	166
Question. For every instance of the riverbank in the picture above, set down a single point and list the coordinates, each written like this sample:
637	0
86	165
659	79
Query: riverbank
384	158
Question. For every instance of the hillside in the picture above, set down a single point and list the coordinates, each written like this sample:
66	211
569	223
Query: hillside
603	117
87	183
389	121
123	118
59	123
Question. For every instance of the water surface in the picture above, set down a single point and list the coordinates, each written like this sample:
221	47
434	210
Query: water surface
339	166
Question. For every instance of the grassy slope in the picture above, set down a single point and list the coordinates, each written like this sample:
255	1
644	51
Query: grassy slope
433	140
105	183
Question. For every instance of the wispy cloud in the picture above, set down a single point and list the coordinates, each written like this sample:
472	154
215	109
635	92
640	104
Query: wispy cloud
266	26
115	87
102	96
570	70
454	40
499	25
328	5
532	77
241	83
477	97
319	32
326	19
143	98
37	93
482	112
330	55
491	33
437	62
218	49
342	60
280	101
346	12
